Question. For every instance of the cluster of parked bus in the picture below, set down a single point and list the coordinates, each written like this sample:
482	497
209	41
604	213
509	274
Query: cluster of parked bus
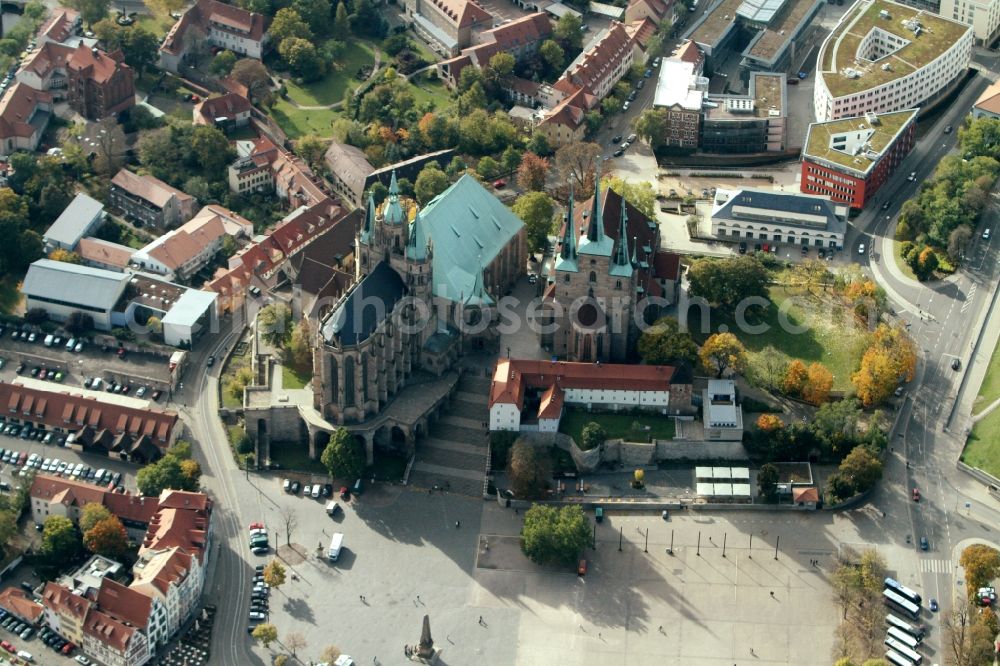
902	638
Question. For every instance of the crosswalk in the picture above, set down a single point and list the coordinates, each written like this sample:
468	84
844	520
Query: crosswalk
968	297
936	566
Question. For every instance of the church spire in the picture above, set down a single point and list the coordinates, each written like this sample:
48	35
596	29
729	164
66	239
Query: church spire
393	212
569	235
595	231
369	223
621	255
393	185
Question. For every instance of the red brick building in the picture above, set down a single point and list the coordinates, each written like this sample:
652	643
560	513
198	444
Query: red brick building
100	84
849	159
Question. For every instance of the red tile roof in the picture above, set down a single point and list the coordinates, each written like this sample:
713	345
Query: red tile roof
688	52
103	252
62	409
161	569
989	101
641	31
17	107
97	65
60	24
552	403
124	604
513	376
239	22
809	494
148	188
462	13
15	601
50	56
104	628
602	58
62	601
227	106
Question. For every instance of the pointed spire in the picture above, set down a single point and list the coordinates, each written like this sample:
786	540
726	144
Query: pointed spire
595	231
621	255
635	246
393	185
369	216
569	235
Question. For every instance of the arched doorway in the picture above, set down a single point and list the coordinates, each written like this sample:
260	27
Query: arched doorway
321	440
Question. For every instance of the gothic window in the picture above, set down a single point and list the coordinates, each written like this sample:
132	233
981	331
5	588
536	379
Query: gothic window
334	379
364	260
364	377
593	262
593	277
349	381
618	284
566	278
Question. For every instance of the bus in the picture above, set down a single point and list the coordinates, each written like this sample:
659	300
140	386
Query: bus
915	630
897	659
904	637
901	604
904	651
903	591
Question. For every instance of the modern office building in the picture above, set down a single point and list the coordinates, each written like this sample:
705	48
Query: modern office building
982	15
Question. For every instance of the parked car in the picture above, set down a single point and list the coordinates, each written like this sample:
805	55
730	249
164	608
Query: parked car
499	183
924	544
916	494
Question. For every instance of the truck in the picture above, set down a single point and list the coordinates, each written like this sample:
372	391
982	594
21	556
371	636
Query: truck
336	543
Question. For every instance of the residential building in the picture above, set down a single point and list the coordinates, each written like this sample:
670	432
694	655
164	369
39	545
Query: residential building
104	254
65	612
150	201
771	216
101	426
605	273
752	123
24	115
100	84
183	251
681	92
447	24
849	159
982	15
62	24
323	271
262	166
225	26
45	69
225	111
988	104
61	289
16	602
82	217
113	643
657	11
530	395
721	412
457	276
520	38
564	124
262	263
883	57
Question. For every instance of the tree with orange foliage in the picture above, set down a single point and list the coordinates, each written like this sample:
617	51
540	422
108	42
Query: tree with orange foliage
891	358
818	384
769	423
795	377
532	172
721	352
107	537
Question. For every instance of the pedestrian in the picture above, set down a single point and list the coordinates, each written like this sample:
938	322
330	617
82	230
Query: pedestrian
458	523
772	593
480	619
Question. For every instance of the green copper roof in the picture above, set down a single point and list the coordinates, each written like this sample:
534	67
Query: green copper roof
595	242
369	223
393	209
566	261
621	266
416	241
468	228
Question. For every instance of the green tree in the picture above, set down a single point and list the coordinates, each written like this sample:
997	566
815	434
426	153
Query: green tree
288	24
536	210
60	540
861	469
527	471
91	11
767	482
211	149
488	168
469	77
500	70
553	55
726	282
639	194
652	126
299	351
265	633
140	48
161	475
722	352
223	63
316	13
8	528
664	342
554	536
568	32
107	537
344	456
835	426
13	223
91	514
302	58
274	322
592	435
274	574
510	159
981	564
254	75
341	25
312	149
431	181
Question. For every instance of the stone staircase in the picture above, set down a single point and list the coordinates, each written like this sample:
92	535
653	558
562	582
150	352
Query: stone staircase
453	455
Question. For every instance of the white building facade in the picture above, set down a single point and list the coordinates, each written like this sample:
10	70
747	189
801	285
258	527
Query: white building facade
982	15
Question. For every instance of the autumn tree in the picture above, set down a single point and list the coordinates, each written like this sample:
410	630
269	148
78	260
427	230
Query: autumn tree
981	564
294	641
795	377
575	164
639	194
819	383
769	422
861	469
274	574
91	514
968	637
767	482
527	471
107	537
665	342
891	358
66	256
299	351
723	352
329	654
265	633
532	172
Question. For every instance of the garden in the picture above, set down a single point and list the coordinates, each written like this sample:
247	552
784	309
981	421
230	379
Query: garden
632	426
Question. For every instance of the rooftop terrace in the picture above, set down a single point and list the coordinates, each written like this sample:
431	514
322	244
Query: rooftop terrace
840	50
818	140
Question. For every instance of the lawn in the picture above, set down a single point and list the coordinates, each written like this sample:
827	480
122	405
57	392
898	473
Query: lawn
434	92
295	456
296	122
236	361
290	379
990	390
983	448
818	330
618	426
331	88
158	24
898	256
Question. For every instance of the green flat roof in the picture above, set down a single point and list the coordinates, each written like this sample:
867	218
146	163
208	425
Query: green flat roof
840	49
716	23
818	138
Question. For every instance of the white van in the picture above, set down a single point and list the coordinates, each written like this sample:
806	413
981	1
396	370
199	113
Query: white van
70	344
48	340
336	543
331	508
